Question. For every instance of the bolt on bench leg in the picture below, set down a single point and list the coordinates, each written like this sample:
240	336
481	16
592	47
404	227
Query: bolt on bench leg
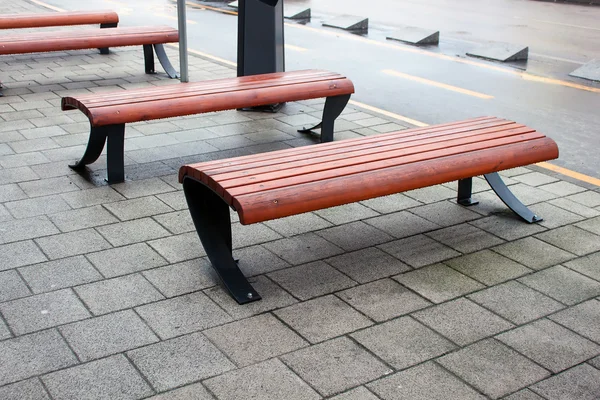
333	108
115	148
509	198
213	224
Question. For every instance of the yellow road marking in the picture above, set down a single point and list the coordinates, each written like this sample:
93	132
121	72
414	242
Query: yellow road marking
189	21
437	84
568	172
47	6
295	48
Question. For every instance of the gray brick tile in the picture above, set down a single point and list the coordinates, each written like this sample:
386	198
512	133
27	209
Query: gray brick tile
419	250
28	208
23	160
516	302
72	243
529	195
403	342
109	378
11	192
26	146
12	286
181	315
256	260
117	294
445	213
427	381
438	283
130	232
335	366
175	200
588	265
138	208
360	393
16	230
533	253
125	260
92	197
267	380
575	207
180	361
368	265
371	121
346	213
303	248
186	277
311	280
254	339
179	248
488	267
30	389
524	394
581	382
588	198
383	300
563	284
390	204
47	187
554	216
43	311
141	188
591	225
59	274
273	297
493	368
249	235
82	218
32	355
465	238
595	362
106	335
507	226
298	224
322	318
582	318
535	179
4	333
176	222
431	194
550	345
402	224
355	236
15	175
17	254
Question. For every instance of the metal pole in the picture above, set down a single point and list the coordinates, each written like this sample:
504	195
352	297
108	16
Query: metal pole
183	55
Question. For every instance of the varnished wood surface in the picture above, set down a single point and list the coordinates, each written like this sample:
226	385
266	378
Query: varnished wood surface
39	20
288	182
208	96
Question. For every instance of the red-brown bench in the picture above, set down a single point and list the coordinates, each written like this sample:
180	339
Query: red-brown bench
109	112
272	185
106	19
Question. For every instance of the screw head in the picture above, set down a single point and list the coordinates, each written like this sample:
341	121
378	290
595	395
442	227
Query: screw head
249	295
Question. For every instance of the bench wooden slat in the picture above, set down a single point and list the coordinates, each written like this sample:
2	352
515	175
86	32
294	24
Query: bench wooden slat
88	39
321	194
15	21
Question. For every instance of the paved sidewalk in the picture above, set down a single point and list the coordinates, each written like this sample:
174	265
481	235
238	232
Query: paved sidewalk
105	292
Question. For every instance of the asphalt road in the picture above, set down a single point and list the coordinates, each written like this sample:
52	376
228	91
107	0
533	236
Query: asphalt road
439	84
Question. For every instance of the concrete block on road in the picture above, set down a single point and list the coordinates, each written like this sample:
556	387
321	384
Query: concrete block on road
349	23
503	52
415	36
297	13
590	71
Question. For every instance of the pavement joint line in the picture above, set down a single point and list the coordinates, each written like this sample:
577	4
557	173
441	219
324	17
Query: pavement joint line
437	84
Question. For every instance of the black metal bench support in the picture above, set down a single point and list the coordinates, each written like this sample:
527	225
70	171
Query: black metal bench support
104	50
162	57
333	108
213	224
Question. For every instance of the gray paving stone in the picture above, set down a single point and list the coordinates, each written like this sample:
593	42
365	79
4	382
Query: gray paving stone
179	248
30	389
12	286
535	179
250	235
46	187
59	274
181	315
507	226
368	265
43	311
419	250
117	293
139	230
82	218
175	200
554	216
17	254
28	208
110	334
322	318
72	243
26	146
493	368
176	222
445	213
32	355
302	249
403	342
311	280
255	260
402	224
588	198
533	253
195	391
383	300
431	194
427	381
23	160
438	283
360	393
529	195
334	366
488	267
4	332
591	225
109	378
524	394
92	197
595	362
391	203
179	361
588	265
186	277
354	236
572	206
11	192
346	213
125	260
273	297
465	238
15	175
269	380
141	188
516	302
137	208
254	339
581	383
562	284
582	318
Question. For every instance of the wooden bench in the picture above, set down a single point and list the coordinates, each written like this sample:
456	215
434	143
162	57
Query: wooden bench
106	19
272	185
109	112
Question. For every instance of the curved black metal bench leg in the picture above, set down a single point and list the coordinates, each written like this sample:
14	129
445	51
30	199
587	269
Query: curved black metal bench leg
334	106
213	224
164	61
509	198
114	156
